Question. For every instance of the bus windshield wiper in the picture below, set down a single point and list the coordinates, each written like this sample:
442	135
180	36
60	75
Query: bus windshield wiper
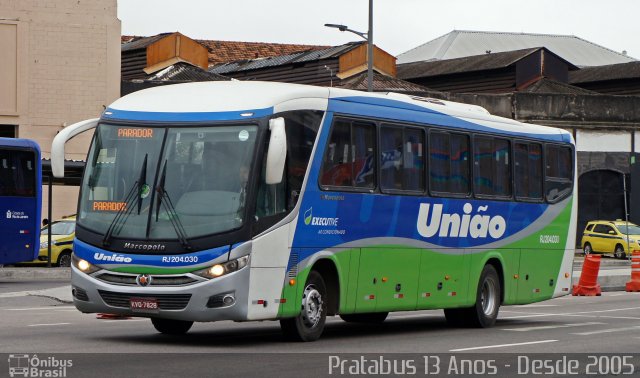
164	200
123	214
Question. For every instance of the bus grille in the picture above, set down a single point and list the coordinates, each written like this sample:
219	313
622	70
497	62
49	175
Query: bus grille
165	301
160	280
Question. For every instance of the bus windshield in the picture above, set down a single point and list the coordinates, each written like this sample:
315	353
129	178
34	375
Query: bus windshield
164	183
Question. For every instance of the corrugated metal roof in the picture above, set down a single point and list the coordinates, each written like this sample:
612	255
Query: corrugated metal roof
462	43
468	64
306	56
610	72
142	42
185	72
545	85
381	83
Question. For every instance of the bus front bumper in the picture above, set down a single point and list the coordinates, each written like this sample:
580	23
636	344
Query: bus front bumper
200	302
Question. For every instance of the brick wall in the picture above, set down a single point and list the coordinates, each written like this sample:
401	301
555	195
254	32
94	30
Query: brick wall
69	70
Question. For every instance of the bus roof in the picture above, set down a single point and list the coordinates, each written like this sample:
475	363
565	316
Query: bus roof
19	143
224	100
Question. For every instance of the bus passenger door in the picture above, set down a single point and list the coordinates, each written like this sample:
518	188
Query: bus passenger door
387	279
444	278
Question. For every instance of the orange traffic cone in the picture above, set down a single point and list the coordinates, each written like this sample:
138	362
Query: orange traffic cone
104	316
588	284
634	284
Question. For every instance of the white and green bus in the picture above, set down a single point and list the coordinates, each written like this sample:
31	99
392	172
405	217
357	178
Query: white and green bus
269	201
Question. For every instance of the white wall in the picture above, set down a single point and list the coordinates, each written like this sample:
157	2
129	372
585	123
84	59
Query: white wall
598	141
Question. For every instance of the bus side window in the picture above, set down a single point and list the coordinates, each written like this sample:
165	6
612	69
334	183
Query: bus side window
17	173
491	167
401	158
449	163
558	172
336	167
350	158
528	171
6	184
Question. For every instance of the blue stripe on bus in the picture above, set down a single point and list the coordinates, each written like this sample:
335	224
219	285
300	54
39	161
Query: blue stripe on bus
98	256
128	115
400	111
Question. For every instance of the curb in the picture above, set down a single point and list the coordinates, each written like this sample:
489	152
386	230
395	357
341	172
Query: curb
28	274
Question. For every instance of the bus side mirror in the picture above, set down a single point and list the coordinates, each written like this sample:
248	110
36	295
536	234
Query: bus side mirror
57	147
277	153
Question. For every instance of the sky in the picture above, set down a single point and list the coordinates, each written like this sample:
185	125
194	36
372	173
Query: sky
398	25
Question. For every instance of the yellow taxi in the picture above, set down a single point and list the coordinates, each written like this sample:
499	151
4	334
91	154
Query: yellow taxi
617	237
62	234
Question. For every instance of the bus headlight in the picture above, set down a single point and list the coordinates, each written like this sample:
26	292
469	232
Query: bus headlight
224	268
83	265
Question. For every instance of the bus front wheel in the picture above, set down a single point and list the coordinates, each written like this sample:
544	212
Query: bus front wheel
309	324
485	312
171	326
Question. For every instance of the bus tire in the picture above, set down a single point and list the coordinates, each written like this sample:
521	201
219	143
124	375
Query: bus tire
485	312
371	317
64	259
309	324
456	317
171	326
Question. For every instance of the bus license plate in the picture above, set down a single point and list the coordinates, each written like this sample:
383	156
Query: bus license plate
144	304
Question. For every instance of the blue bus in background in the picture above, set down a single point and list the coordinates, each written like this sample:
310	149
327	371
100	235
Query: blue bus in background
20	200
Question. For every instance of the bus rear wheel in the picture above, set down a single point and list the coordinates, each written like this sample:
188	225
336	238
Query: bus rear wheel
485	312
309	324
171	326
372	317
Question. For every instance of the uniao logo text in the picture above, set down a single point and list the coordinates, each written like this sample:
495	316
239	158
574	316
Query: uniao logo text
115	258
432	221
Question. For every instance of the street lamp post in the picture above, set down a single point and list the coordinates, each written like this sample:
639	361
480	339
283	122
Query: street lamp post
369	38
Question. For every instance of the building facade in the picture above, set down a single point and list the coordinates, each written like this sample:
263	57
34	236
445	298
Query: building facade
59	64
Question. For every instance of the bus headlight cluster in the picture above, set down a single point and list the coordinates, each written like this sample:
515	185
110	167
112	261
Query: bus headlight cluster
83	265
224	268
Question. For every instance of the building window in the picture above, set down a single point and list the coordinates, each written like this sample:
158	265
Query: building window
8	131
